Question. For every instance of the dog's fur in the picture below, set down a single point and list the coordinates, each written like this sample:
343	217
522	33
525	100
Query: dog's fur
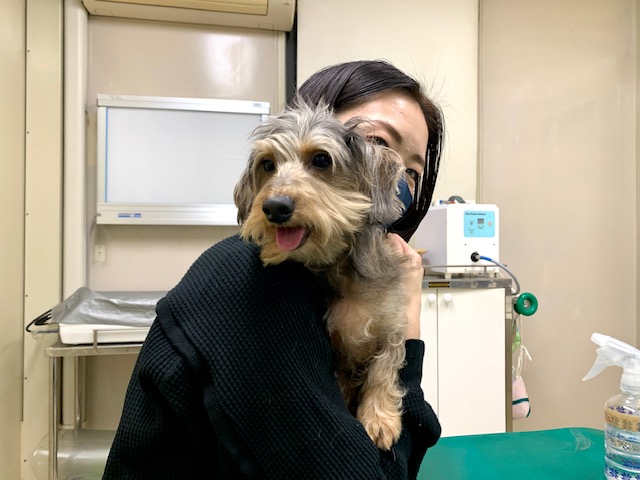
307	170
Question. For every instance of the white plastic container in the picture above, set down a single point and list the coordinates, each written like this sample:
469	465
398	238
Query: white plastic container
80	334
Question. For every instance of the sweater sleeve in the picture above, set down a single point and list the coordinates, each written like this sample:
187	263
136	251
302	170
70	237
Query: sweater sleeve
163	431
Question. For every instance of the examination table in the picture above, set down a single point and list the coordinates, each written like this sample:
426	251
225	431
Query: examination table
566	453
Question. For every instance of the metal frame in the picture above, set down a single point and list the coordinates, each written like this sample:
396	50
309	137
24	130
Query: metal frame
56	353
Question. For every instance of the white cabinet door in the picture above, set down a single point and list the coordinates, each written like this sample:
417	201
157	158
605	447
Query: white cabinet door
429	332
465	333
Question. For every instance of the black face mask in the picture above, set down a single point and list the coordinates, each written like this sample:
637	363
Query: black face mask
404	195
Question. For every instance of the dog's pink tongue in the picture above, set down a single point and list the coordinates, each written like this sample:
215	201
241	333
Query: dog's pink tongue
289	238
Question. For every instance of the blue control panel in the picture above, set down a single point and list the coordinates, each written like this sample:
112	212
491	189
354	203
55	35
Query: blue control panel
479	224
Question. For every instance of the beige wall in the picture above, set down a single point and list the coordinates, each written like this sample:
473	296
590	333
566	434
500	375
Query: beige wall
558	92
125	56
557	155
43	206
172	60
637	104
12	95
557	149
435	41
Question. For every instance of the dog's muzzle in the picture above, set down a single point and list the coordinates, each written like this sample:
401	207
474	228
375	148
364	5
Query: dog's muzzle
278	209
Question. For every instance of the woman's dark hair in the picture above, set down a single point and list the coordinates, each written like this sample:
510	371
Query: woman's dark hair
348	84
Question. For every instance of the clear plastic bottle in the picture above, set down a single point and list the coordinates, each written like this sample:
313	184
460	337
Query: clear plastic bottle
82	454
622	426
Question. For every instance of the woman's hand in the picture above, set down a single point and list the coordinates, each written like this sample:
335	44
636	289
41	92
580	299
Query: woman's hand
412	284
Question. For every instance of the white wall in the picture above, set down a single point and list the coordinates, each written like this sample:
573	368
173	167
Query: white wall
12	97
42	206
436	41
558	96
557	135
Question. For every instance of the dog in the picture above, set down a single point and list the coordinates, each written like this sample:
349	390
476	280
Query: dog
318	192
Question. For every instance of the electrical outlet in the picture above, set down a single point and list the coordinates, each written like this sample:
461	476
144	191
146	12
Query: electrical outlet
100	253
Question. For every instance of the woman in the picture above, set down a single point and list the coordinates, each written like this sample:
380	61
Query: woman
236	377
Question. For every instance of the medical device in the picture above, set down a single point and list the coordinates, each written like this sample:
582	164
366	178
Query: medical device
460	238
172	161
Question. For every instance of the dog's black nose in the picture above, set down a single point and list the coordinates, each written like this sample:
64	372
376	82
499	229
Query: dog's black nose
278	209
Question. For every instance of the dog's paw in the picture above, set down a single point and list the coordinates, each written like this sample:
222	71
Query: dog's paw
383	430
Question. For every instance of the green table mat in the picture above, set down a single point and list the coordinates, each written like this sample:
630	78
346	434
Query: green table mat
566	453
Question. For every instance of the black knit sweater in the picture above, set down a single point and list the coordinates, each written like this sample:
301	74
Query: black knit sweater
236	380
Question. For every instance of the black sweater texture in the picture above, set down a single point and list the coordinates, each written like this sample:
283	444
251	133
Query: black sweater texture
236	380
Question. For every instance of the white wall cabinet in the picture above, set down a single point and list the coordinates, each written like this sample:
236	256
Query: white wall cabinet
467	365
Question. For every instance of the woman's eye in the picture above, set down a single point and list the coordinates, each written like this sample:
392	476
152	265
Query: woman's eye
378	141
321	160
267	165
412	174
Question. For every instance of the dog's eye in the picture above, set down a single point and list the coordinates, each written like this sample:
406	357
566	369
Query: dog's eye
268	165
321	160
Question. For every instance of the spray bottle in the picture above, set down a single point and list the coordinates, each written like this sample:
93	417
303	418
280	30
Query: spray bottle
622	411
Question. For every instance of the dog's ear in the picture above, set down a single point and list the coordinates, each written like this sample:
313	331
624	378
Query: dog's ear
386	169
243	192
379	169
353	142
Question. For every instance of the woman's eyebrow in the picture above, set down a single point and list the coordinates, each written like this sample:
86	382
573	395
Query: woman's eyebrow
390	129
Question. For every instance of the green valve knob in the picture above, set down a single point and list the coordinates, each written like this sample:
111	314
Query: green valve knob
526	304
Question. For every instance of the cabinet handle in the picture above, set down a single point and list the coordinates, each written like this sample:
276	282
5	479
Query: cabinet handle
431	298
447	297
